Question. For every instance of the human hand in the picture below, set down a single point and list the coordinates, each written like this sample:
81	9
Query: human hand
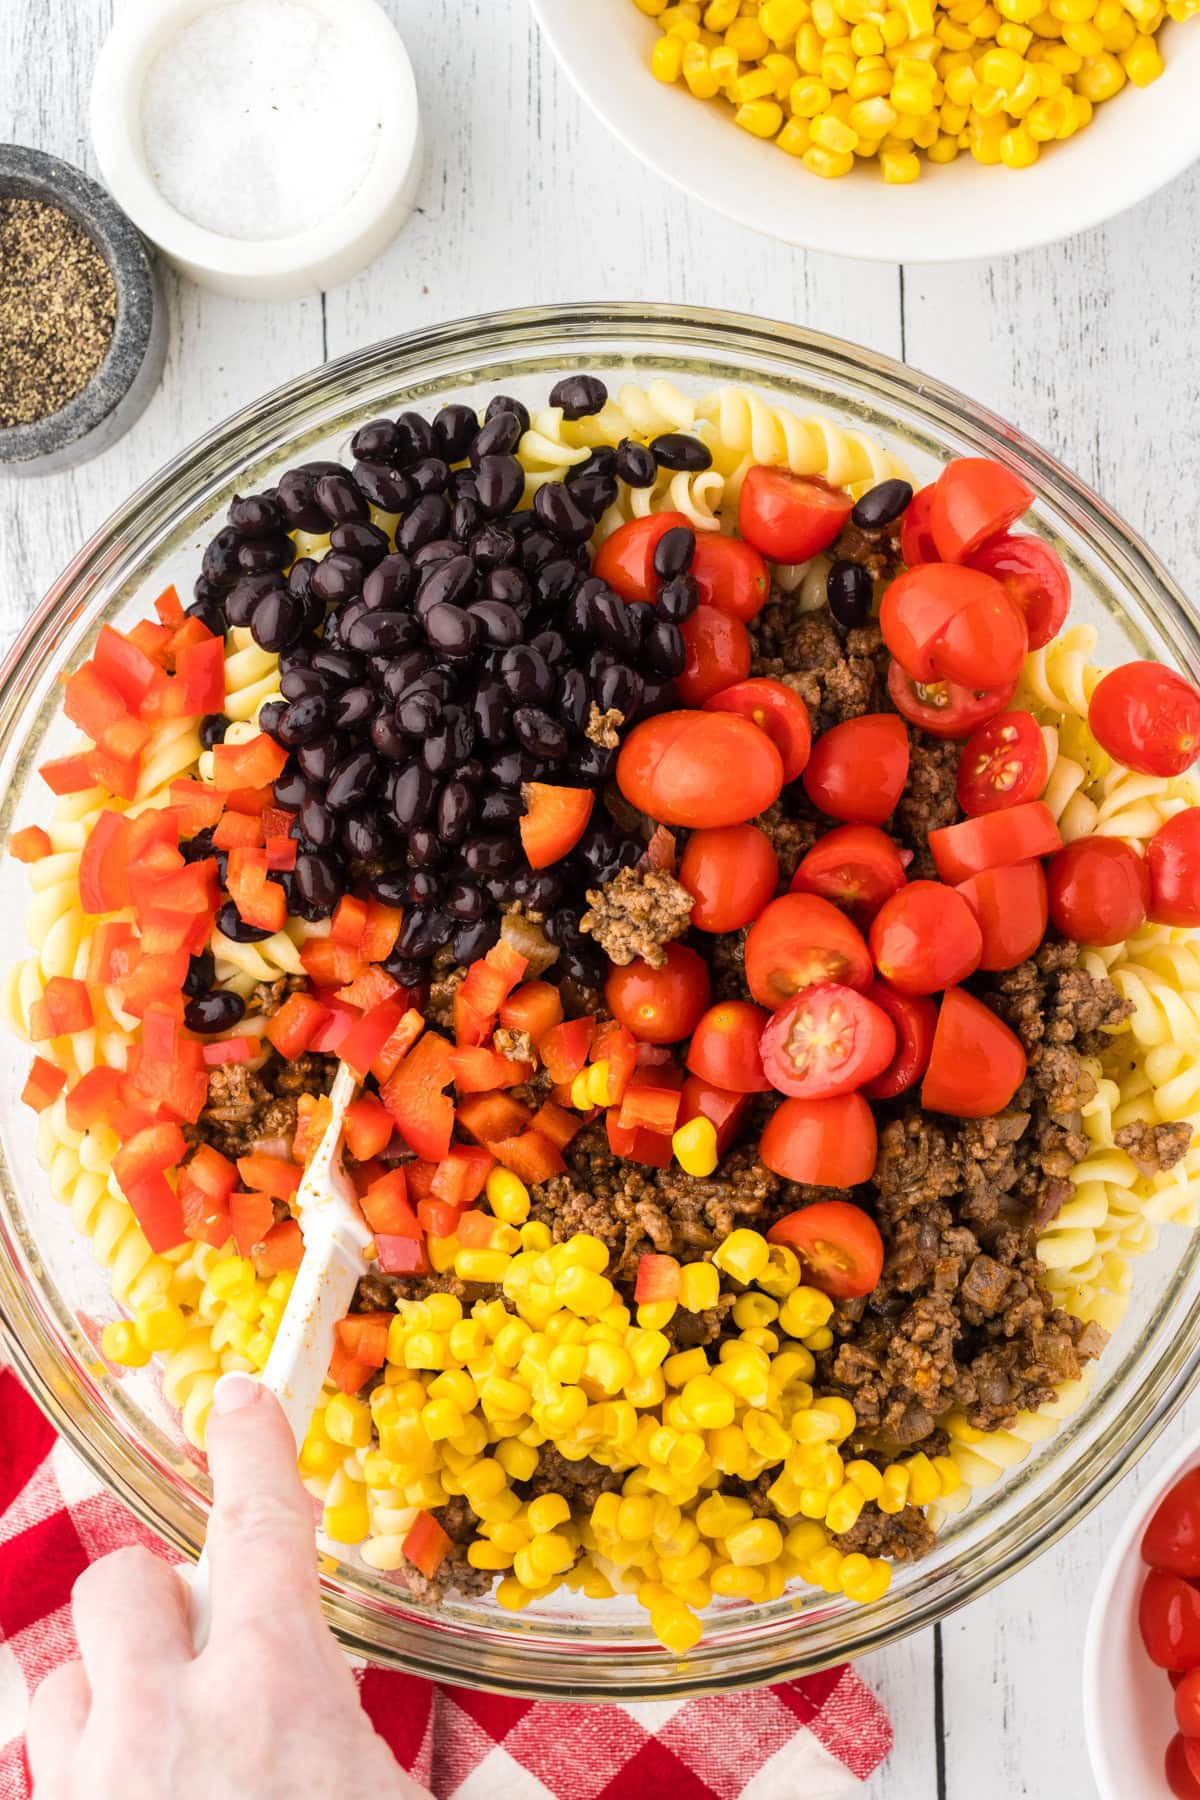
268	1708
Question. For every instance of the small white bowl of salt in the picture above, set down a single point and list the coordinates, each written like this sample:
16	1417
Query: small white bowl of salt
270	148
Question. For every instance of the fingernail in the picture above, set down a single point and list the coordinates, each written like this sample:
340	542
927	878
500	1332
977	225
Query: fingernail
234	1391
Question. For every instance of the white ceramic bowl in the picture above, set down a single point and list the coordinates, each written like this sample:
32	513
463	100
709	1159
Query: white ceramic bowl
1135	144
283	268
1128	1711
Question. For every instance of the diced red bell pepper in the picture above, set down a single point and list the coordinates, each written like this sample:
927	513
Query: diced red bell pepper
412	1024
66	1006
535	1007
199	806
364	1337
414	1097
93	1097
488	1117
91	703
381	931
231	1050
386	1206
117	775
367	1036
251	1216
554	821
726	1110
155	1205
237	831
478	1071
401	1255
333	1031
426	1546
557	1123
205	1219
152	641
277	821
489	981
43	1085
161	1023
156	1148
329	964
419	1175
127	668
437	1217
349	920
269	1174
103	865
153	978
369	988
186	633
190	889
564	1049
638	1146
657	1278
30	844
169	606
165	932
303	1138
212	1172
281	1251
281	854
475	1230
259	901
256	800
294	1026
68	774
616	1045
106	964
368	1127
649	1108
345	1373
200	672
462	1174
531	1156
253	765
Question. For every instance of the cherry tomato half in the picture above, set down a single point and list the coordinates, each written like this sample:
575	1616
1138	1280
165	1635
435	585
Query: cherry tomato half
975	499
943	708
725	1047
776	709
916	531
1169	1619
855	866
1148	718
625	561
827	1041
1181	1767
790	517
838	1244
1187	1705
699	768
925	938
1003	763
730	575
801	941
826	1143
726	1110
1034	577
1171	1540
946	623
1099	890
1012	907
1173	861
660	1006
1016	835
914	1017
976	1065
730	872
858	769
718	653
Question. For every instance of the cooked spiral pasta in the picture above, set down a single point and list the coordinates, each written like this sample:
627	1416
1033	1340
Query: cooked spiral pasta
984	1457
251	679
741	429
1061	677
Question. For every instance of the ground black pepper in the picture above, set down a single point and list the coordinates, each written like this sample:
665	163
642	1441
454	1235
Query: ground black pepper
58	310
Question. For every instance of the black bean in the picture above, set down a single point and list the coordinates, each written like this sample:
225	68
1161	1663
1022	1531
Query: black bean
609	623
319	760
390	583
402	671
425	849
452	582
880	505
430	555
501	807
269	715
674	551
454	429
538	890
505	403
635	464
489	855
424	931
678	599
595	493
361	539
450	745
209	611
579	395
501	484
340	497
455	811
385	488
551	645
405	969
463	900
305	721
509	768
472	941
259	555
202	972
318	823
526	674
216	1011
256	515
583	967
574	700
411	796
560	512
363	836
451	630
600	461
466	516
383	633
342	665
338	628
620	686
538	547
429	476
679	450
220	561
539	733
556	581
418	712
377	441
337	578
213	727
849	590
299	577
499	623
664	648
297	499
427	520
231	924
290	789
605	851
352	782
353	706
415	438
315	885
244	597
492	711
594	763
388	738
278	620
562	928
510	587
463	485
639	616
295	684
391	886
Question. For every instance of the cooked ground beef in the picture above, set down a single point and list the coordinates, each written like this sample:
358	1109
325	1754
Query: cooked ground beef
448	977
455	1574
929	800
837	678
604	728
516	1045
906	1536
247	1107
581	1482
1154	1147
727	966
638	913
877	551
268	996
792	834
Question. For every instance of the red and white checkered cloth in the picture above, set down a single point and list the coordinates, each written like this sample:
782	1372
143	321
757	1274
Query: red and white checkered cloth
804	1740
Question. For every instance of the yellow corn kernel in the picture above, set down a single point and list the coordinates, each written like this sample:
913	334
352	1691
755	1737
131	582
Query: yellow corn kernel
1142	61
441	1253
756	84
507	1534
766	1436
748	38
720	14
466	1341
566	1363
782	19
695	1144
709	1405
547	1511
581	1099
844	1507
809	97
1101	76
507	1196
160	1325
563	1414
702	79
499	1511
676	1629
634	1518
733	1583
348	1421
651	8
866	1478
652	1315
441	1419
519	1461
828	164
761	118
1001	69
893	1494
607	1367
806	1309
425	1350
873	117
483	1554
794	138
865	1578
347	1522
481	1265
584	1292
832	133
783	72
598	1089
548	1555
680	1368
699	1285
719	1514
1018	150
752	1311
121	1344
744	1255
484	1480
510	1594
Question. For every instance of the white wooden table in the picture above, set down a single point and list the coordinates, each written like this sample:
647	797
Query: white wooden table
1089	346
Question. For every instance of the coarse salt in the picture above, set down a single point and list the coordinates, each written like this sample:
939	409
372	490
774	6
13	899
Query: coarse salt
259	119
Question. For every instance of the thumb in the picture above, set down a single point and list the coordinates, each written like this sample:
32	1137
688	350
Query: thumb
261	1546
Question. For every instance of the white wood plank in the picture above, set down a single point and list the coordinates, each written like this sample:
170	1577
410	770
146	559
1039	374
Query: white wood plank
903	1679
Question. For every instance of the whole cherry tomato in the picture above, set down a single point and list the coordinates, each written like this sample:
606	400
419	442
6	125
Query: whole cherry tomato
1012	907
838	1245
1173	862
1018	834
625	560
943	708
946	623
718	653
699	769
730	872
826	1143
726	1110
801	941
977	1063
855	866
858	769
1003	763
730	575
1034	576
778	710
1169	1619
916	531
1171	1540
925	938
660	1006
975	499
827	1041
1181	1766
1099	890
1187	1705
1148	718
914	1017
790	517
725	1047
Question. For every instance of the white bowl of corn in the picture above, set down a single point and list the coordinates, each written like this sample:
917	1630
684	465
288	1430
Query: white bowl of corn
900	130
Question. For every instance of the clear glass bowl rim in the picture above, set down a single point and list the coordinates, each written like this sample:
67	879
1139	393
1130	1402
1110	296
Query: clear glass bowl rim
505	1660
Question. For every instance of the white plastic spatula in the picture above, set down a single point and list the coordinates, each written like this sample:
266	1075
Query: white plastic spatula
335	1241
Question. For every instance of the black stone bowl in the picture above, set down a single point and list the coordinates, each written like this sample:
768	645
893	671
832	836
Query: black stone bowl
118	392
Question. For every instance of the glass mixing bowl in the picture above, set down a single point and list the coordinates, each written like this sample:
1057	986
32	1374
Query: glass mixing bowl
53	1297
